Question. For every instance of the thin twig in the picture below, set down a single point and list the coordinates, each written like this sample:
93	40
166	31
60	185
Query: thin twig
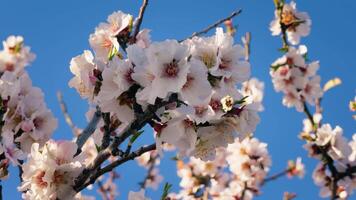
275	176
116	163
244	191
216	24
67	117
20	171
333	189
88	131
139	20
308	113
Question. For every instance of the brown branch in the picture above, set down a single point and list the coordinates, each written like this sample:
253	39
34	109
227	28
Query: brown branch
216	24
113	149
107	131
275	176
308	113
139	20
67	117
88	131
116	163
333	189
244	191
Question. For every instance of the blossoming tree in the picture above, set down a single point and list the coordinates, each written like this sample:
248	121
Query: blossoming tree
197	96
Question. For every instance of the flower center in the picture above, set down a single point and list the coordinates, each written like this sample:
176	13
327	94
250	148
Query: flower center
38	179
171	69
283	71
187	84
128	77
106	43
200	110
9	67
215	105
58	177
288	18
38	122
225	64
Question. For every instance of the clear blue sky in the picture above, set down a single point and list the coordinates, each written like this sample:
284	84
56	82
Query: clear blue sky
59	30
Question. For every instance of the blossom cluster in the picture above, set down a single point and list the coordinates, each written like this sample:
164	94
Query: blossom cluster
292	74
296	77
288	20
125	75
238	170
25	118
329	142
50	171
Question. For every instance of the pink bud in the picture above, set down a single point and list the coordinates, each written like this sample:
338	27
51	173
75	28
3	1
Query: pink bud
27	126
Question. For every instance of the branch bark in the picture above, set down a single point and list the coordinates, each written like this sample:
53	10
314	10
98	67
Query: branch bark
116	163
113	149
139	20
216	24
88	131
275	176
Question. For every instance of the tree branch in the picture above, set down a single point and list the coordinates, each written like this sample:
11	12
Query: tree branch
88	131
216	24
113	149
275	176
116	163
67	117
139	20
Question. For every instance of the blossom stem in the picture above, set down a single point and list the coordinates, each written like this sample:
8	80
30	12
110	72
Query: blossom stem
216	24
244	191
308	113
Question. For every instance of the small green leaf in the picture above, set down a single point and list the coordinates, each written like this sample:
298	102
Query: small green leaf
113	52
283	49
241	101
97	148
166	189
175	158
135	136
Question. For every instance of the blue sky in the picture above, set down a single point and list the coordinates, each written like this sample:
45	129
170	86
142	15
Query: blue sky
59	30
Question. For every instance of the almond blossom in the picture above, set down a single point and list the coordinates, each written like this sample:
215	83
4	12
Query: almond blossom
296	78
50	171
296	24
